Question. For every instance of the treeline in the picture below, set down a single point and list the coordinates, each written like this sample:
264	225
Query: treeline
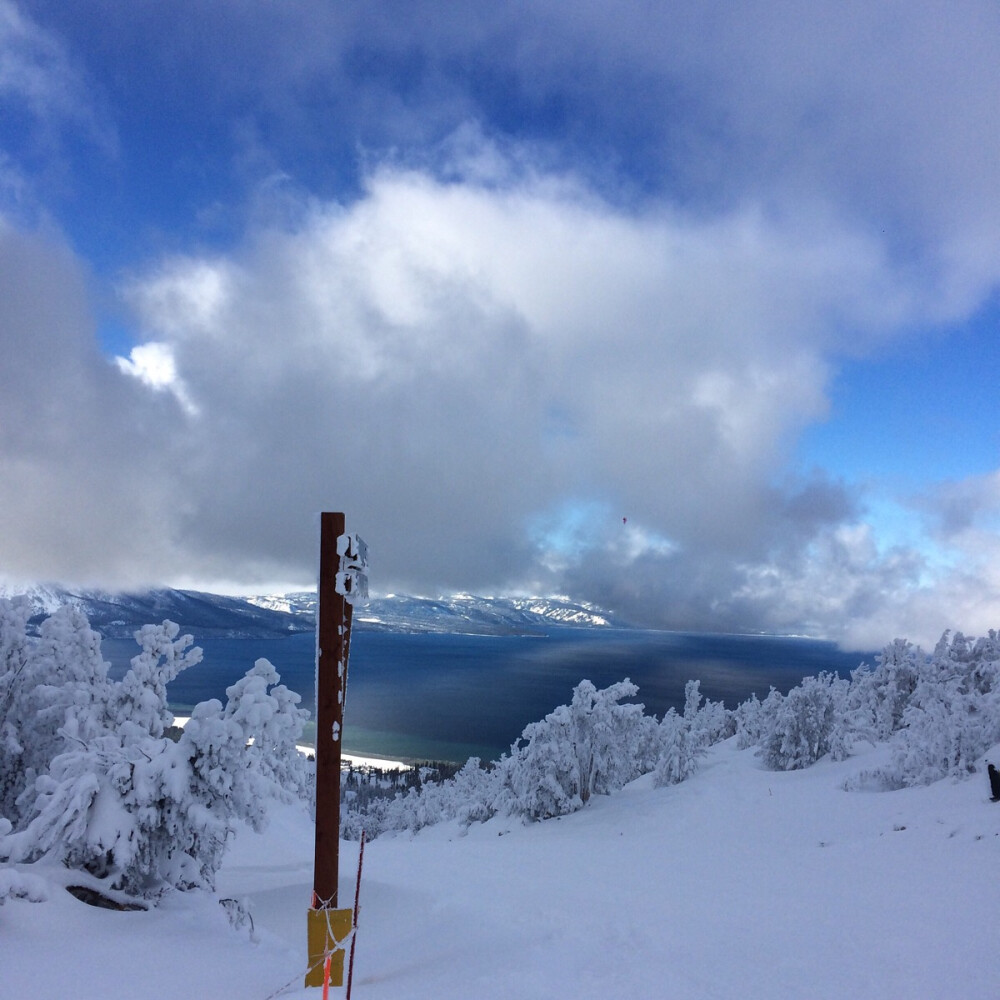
91	778
938	713
364	784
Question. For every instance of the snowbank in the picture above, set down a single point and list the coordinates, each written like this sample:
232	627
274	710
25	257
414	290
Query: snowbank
738	883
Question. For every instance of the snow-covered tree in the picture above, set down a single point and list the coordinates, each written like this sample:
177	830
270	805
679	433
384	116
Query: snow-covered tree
102	788
139	707
474	792
951	716
683	740
806	724
710	722
53	690
271	723
680	750
125	811
18	885
66	692
244	755
883	693
587	747
748	718
14	656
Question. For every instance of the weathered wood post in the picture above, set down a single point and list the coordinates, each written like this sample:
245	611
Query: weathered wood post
342	560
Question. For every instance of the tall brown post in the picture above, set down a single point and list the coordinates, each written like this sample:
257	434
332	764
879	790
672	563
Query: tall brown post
333	622
328	925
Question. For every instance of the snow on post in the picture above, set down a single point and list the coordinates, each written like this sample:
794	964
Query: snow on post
352	579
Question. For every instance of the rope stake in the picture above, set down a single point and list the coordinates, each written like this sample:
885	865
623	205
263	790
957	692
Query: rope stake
357	908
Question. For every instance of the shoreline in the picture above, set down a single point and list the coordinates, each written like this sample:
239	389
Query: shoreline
352	759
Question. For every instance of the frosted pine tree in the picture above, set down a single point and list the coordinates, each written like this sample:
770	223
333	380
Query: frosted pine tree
53	689
709	722
14	653
244	755
118	799
473	793
594	745
140	703
952	716
680	750
271	723
540	778
748	718
67	692
883	693
808	723
117	811
19	885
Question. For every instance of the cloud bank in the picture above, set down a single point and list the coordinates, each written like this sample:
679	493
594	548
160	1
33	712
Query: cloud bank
521	369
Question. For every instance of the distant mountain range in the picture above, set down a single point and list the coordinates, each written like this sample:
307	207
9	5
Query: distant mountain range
118	615
458	613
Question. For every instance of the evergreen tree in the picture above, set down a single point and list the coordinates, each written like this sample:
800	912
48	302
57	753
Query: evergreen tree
806	724
89	777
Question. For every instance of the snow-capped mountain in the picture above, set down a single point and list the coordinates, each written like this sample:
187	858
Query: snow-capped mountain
118	615
458	613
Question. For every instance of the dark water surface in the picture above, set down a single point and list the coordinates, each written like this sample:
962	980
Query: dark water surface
448	697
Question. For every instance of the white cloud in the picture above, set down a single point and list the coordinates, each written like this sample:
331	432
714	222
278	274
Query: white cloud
34	66
449	360
153	364
42	82
187	296
404	356
88	463
638	308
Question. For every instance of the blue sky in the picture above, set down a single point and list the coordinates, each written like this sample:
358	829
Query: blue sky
951	430
493	277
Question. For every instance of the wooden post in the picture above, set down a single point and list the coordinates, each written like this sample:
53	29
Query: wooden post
328	926
332	639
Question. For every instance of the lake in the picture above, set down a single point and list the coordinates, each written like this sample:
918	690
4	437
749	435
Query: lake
437	696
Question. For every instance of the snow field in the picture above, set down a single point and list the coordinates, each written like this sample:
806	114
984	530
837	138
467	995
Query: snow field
738	883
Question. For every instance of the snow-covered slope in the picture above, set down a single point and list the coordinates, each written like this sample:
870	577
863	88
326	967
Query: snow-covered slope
117	615
458	613
468	613
739	884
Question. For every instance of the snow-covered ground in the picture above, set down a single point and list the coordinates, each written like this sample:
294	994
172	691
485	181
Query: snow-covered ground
738	883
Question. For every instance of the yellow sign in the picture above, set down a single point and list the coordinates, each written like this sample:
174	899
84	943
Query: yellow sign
328	930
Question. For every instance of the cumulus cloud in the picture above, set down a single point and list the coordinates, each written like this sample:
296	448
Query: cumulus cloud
456	359
582	289
86	459
881	112
153	365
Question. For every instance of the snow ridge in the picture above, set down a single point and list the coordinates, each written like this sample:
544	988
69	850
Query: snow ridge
118	615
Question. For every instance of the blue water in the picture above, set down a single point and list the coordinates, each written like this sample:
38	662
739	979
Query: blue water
448	697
